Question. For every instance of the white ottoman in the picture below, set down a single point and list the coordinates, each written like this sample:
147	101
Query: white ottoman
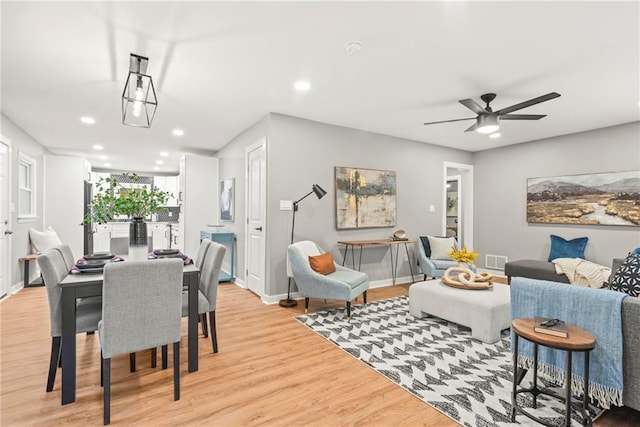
486	312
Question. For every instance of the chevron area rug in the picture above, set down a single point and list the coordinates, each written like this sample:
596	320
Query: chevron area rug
435	360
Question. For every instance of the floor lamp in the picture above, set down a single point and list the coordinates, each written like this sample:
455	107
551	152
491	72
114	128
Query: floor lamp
319	191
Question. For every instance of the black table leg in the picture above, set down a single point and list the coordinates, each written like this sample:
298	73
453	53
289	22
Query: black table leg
515	375
193	322
568	396
68	347
410	263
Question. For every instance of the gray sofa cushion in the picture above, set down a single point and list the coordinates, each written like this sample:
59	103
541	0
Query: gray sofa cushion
534	269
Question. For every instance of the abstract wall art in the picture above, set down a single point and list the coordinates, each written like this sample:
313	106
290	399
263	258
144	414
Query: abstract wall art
365	198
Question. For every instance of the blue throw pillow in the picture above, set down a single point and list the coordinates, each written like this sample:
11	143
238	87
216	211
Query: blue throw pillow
627	278
561	248
636	251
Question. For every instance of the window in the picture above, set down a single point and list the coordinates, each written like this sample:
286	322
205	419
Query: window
26	187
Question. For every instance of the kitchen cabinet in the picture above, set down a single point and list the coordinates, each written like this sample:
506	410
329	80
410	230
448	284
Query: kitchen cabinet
170	185
175	240
158	231
102	238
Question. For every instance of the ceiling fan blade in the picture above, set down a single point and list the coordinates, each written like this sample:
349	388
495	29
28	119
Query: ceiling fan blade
522	116
528	103
472	127
473	106
448	121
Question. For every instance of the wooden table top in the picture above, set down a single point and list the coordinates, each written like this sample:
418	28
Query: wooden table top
578	339
373	242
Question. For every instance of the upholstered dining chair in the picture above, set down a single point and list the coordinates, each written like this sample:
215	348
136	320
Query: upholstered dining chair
141	308
88	310
120	245
202	252
343	284
67	255
208	290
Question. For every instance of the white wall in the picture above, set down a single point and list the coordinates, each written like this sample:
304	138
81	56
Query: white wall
501	184
21	141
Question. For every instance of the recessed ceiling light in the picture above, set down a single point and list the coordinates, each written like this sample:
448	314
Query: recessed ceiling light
164	154
495	135
103	157
302	85
177	132
159	162
87	120
156	168
98	147
106	165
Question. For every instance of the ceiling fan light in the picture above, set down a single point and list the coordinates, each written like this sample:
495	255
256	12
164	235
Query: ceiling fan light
487	124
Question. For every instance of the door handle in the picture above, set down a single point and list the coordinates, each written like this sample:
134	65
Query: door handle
258	228
8	232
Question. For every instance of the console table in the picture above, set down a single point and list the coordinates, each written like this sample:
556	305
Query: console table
382	242
228	239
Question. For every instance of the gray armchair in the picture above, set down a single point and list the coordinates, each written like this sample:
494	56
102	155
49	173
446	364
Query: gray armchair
435	267
343	284
141	309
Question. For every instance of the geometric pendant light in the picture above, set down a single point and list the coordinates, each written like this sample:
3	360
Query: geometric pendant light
139	100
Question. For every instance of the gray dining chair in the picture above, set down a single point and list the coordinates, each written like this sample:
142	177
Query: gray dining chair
202	252
208	291
120	245
67	255
141	309
88	311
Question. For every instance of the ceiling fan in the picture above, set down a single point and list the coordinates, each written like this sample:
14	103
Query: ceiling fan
487	120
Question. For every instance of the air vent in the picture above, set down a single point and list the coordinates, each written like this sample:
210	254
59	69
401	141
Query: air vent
495	262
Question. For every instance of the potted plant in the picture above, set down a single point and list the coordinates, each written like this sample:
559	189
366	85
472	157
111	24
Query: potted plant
113	198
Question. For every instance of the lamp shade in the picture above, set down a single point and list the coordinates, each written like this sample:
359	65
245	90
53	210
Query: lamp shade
487	123
319	191
139	100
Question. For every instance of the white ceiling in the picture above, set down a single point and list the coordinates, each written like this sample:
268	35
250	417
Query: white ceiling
218	67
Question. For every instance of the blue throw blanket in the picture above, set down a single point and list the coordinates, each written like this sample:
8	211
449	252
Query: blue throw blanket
598	311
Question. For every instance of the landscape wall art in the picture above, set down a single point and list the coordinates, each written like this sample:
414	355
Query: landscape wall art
611	198
365	198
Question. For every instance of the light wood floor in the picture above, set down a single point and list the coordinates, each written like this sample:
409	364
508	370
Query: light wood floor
270	371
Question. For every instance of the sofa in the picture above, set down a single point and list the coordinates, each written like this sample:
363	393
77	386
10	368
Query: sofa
631	345
542	270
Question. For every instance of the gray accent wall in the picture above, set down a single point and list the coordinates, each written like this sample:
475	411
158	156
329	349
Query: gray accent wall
20	245
500	193
301	153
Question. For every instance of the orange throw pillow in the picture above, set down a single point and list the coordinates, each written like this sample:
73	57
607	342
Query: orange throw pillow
322	264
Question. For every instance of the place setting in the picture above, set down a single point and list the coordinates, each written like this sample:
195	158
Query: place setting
94	263
170	253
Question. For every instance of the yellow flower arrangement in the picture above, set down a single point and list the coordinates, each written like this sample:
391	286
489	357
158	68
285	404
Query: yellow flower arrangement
463	255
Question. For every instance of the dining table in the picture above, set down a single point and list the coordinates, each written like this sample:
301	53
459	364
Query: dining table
84	285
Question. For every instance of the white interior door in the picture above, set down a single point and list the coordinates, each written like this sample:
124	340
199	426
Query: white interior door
256	159
5	216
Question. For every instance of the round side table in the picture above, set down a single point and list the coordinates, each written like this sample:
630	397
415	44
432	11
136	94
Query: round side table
578	340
